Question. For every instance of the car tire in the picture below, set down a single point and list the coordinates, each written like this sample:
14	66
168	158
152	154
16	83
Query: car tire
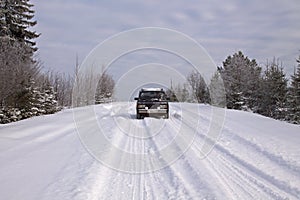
139	116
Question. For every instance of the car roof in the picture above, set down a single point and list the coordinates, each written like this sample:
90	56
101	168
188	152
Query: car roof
152	89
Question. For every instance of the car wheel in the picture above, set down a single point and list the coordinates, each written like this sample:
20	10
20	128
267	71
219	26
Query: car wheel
139	116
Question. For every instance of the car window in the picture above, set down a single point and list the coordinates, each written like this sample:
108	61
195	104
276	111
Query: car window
151	95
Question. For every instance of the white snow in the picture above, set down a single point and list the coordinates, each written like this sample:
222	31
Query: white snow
255	157
152	89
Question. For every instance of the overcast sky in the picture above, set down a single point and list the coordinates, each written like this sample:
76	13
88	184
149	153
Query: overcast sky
261	29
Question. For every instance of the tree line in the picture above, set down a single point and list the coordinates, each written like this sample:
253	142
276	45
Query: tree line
248	87
25	89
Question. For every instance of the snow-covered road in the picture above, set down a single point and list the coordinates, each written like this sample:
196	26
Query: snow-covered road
255	157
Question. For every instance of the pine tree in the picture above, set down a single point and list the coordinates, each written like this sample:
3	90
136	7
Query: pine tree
16	22
17	66
48	102
37	107
241	77
25	99
294	97
273	94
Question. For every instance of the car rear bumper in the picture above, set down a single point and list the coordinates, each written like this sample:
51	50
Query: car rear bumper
152	111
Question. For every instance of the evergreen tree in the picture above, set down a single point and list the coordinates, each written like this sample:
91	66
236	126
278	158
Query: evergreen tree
49	105
16	59
38	100
273	94
241	77
16	22
25	99
294	97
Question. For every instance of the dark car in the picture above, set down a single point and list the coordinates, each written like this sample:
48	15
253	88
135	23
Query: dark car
152	102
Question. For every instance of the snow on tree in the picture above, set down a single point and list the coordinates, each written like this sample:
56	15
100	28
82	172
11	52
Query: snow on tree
241	78
47	100
17	66
30	100
37	102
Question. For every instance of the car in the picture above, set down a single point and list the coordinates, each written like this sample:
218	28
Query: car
152	102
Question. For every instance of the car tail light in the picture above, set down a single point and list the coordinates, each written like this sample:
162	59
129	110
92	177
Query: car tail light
163	106
141	106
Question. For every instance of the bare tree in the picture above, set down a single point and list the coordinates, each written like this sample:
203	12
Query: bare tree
92	87
217	91
105	88
199	87
182	92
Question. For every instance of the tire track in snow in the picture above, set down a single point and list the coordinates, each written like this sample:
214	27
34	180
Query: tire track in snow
131	186
152	181
265	192
78	176
223	176
244	186
136	183
276	159
188	176
94	179
279	184
116	182
165	176
221	179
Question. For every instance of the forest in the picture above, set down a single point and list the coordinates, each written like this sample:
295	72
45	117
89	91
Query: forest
248	87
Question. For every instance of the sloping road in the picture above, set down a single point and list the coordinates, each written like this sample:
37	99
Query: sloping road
254	158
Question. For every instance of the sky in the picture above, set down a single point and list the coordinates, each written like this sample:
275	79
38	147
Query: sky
262	30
